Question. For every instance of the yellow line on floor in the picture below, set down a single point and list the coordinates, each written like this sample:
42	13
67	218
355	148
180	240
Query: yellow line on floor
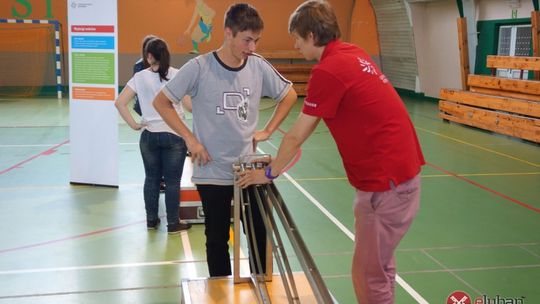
423	176
313	179
483	174
124	186
479	147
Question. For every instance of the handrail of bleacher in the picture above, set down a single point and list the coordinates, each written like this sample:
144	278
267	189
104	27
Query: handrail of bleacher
513	62
282	54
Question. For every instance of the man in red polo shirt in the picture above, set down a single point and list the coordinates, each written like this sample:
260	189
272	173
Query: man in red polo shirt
375	138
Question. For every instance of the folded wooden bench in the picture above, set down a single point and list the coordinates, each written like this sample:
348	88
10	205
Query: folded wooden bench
502	105
516	88
281	54
514	63
296	72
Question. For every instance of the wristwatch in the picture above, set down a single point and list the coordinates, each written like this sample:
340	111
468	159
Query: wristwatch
268	173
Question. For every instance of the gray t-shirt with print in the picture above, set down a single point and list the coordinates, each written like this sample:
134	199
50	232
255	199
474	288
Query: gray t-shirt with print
225	104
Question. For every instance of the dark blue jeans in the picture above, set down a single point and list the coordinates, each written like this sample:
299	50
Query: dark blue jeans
163	155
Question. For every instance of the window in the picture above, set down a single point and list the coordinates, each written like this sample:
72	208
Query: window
514	40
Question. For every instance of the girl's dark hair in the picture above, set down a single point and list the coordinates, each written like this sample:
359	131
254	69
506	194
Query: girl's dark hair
317	17
242	17
158	48
144	43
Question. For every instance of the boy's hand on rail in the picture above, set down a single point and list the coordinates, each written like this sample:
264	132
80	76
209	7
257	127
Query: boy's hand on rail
251	177
259	136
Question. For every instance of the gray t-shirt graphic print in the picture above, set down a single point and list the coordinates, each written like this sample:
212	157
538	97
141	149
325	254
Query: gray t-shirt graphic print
225	104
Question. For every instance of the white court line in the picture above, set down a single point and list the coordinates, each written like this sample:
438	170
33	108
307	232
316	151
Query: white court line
450	270
530	251
188	253
106	266
459	278
342	227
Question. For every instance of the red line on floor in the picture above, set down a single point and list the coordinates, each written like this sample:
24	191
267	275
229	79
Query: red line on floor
44	153
506	197
52	150
294	161
74	237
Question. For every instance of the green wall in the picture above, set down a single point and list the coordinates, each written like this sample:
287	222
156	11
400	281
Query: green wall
488	34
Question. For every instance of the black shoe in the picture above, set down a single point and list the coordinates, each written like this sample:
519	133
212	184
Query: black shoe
162	186
152	224
176	228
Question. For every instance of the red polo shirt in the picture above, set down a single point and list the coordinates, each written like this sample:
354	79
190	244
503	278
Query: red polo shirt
366	117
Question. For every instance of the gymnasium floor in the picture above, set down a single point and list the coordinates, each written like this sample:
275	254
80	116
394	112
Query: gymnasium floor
478	229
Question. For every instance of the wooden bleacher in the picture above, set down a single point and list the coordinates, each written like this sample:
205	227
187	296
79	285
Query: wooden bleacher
296	72
515	63
502	105
286	54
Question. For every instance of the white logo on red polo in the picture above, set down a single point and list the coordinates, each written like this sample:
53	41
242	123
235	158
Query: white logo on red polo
310	104
367	66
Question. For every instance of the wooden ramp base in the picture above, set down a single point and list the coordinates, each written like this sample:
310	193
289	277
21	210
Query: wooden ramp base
501	122
223	290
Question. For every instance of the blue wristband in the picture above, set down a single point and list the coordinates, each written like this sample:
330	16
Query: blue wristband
268	173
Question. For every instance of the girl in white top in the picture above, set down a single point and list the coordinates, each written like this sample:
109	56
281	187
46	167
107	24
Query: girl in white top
162	150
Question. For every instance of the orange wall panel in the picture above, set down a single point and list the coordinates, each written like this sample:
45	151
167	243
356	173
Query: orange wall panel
364	27
175	16
31	38
170	18
34	9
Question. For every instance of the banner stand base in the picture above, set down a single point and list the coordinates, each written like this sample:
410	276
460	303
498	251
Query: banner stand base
93	185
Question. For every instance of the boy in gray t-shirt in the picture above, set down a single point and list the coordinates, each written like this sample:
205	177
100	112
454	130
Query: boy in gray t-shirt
226	87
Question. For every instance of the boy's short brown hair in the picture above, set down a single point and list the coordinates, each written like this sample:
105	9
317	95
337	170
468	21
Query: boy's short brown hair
242	17
317	17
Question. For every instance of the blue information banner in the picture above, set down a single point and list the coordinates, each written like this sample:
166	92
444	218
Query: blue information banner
92	42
